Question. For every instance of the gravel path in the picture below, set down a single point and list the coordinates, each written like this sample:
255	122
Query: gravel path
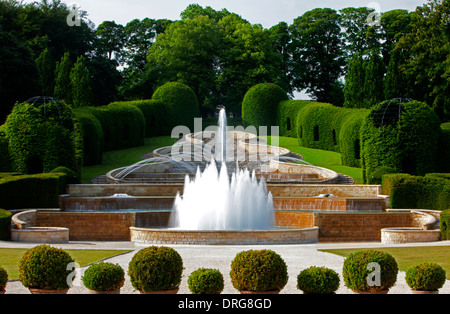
297	257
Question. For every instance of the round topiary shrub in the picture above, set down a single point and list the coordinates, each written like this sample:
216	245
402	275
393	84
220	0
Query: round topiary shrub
3	279
104	277
258	271
45	267
156	269
71	176
318	280
377	175
259	107
360	268
426	277
206	281
180	104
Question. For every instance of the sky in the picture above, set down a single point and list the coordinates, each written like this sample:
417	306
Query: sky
264	12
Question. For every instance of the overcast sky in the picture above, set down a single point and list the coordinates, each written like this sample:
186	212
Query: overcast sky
265	12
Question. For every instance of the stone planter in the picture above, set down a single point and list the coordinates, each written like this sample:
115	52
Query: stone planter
174	291
46	291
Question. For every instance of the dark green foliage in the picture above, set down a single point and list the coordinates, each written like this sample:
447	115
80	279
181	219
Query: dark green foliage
19	78
318	280
444	151
411	192
206	281
32	191
258	270
355	270
3	278
426	277
259	107
378	174
5	160
179	102
43	137
92	134
46	67
155	269
45	267
349	137
70	176
445	224
104	277
156	123
354	83
123	126
287	112
408	143
5	227
373	81
80	81
63	84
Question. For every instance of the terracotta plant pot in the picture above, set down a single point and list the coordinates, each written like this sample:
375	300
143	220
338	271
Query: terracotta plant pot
175	291
260	292
117	291
425	292
46	291
372	292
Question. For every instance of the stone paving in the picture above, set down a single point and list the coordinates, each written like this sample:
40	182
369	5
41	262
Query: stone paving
297	257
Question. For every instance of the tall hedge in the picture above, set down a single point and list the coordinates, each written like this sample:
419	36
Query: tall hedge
5	225
259	107
443	158
408	142
123	126
417	192
5	160
41	138
156	120
287	112
32	191
179	102
349	137
92	133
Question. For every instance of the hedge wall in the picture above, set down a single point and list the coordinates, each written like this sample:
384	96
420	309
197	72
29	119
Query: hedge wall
156	123
287	112
5	160
180	104
443	158
445	224
408	144
32	191
123	125
92	134
349	137
43	138
416	192
260	104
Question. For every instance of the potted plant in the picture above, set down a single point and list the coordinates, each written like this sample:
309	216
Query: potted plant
206	281
262	271
43	270
156	270
426	278
318	280
104	278
370	271
3	280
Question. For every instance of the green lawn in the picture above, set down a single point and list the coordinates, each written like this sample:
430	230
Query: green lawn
321	158
9	258
408	257
124	157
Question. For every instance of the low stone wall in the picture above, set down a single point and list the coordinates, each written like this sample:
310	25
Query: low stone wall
167	236
408	235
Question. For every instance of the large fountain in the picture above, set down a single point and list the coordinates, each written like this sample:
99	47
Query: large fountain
214	201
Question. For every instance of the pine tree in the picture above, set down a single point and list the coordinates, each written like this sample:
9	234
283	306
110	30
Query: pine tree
395	83
46	68
81	84
354	83
63	87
